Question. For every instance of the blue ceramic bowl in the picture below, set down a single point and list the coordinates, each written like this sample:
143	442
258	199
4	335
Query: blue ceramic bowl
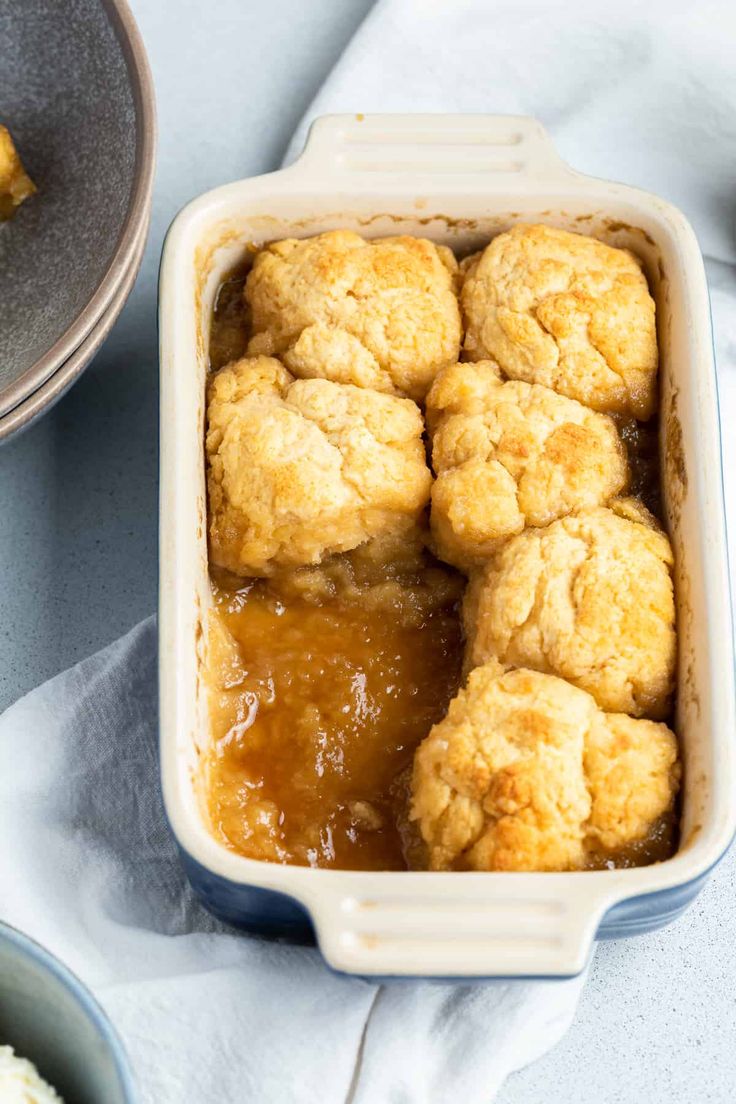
48	1016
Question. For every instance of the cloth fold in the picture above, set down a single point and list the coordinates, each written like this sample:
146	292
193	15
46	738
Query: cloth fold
645	93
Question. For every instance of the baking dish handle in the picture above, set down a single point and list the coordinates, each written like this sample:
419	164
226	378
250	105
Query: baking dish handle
478	931
429	148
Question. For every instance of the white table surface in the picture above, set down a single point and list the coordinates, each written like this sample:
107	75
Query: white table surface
78	494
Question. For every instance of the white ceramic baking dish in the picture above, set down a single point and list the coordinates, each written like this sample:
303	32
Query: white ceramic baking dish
457	180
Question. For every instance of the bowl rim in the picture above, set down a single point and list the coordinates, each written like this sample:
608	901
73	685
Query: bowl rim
40	401
84	998
139	72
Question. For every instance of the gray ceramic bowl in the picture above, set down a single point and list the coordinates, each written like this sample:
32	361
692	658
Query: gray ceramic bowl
48	1016
78	99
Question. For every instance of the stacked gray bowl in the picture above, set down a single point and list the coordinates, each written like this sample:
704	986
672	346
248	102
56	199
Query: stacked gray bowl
78	100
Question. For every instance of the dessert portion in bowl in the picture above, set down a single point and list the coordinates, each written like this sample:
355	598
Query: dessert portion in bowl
20	1081
443	623
15	183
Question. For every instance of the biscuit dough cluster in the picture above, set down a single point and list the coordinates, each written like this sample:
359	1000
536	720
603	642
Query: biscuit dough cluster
511	454
551	757
567	311
553	753
379	314
527	773
300	469
588	598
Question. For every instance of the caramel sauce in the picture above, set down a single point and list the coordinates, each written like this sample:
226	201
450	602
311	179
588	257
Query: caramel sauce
322	686
660	843
642	448
229	328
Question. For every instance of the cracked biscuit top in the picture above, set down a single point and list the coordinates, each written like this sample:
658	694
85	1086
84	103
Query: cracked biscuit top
526	773
298	469
512	454
589	598
379	314
566	311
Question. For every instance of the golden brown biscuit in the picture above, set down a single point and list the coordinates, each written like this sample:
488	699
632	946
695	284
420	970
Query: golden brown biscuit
381	314
498	784
589	598
512	454
461	388
566	311
298	469
526	773
633	776
15	183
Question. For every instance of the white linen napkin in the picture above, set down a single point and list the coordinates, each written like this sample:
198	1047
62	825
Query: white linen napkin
645	93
